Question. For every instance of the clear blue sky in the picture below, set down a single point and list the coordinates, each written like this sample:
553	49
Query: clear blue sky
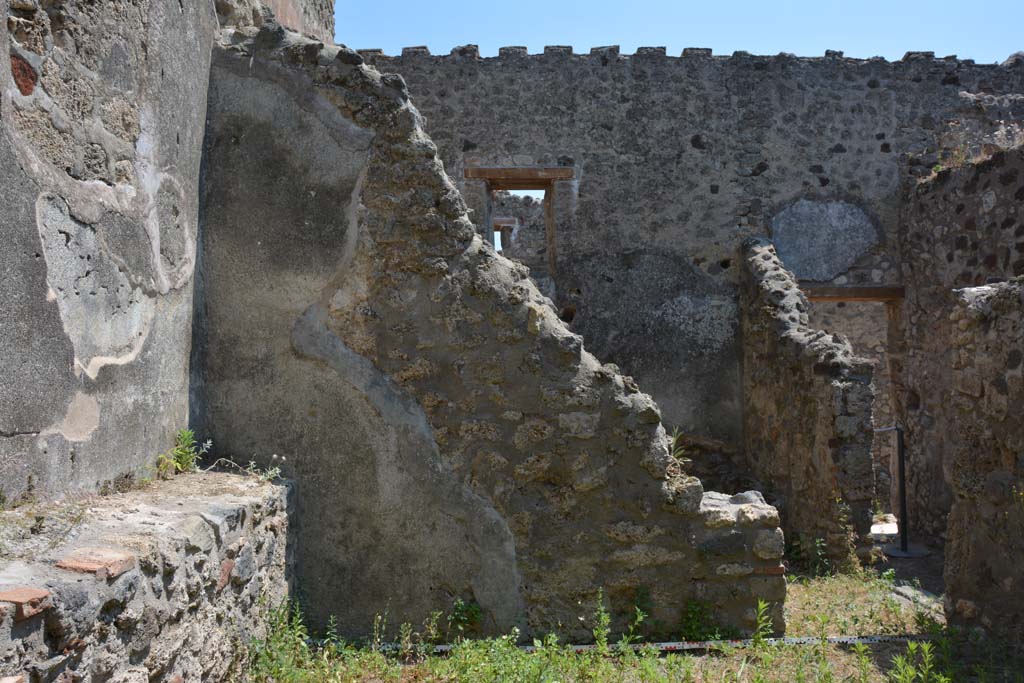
983	30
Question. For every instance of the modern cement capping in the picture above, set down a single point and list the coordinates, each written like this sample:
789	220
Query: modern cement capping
807	413
163	583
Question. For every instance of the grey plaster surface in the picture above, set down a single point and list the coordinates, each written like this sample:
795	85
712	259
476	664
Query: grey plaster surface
99	157
821	240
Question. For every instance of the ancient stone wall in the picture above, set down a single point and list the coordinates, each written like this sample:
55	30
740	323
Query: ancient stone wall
678	159
961	228
313	18
163	584
984	552
101	122
807	412
866	325
448	435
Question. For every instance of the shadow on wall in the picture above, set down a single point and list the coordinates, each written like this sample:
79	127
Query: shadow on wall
449	436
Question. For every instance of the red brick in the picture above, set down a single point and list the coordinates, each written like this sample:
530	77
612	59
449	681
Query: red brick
24	75
28	602
226	567
103	562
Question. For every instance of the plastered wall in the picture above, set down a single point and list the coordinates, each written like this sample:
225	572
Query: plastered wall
101	124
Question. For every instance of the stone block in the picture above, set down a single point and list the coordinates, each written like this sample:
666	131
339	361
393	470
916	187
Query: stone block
28	602
650	52
579	425
466	51
758	515
769	544
199	536
684	493
768	587
104	563
726	544
245	565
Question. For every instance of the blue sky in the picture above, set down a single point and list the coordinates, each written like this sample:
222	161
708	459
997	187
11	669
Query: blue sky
983	30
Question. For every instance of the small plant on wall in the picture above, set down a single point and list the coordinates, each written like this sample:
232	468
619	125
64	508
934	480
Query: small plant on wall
183	457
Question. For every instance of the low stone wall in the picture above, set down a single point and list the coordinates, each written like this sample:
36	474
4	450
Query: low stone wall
984	550
422	388
807	412
162	584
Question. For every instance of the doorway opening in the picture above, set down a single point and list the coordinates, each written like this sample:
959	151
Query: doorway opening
523	209
867	317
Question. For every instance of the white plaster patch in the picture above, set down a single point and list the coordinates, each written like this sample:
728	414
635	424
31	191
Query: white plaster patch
158	191
80	421
105	316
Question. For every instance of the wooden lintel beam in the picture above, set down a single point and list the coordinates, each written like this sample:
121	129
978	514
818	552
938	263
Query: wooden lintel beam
534	177
519	184
820	293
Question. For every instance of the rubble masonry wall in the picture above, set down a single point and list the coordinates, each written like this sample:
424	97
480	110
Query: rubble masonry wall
807	413
984	553
449	437
961	228
167	583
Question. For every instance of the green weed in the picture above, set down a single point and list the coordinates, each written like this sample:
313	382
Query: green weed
184	457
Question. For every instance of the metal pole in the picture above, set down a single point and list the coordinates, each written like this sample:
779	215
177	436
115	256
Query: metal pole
905	549
904	520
